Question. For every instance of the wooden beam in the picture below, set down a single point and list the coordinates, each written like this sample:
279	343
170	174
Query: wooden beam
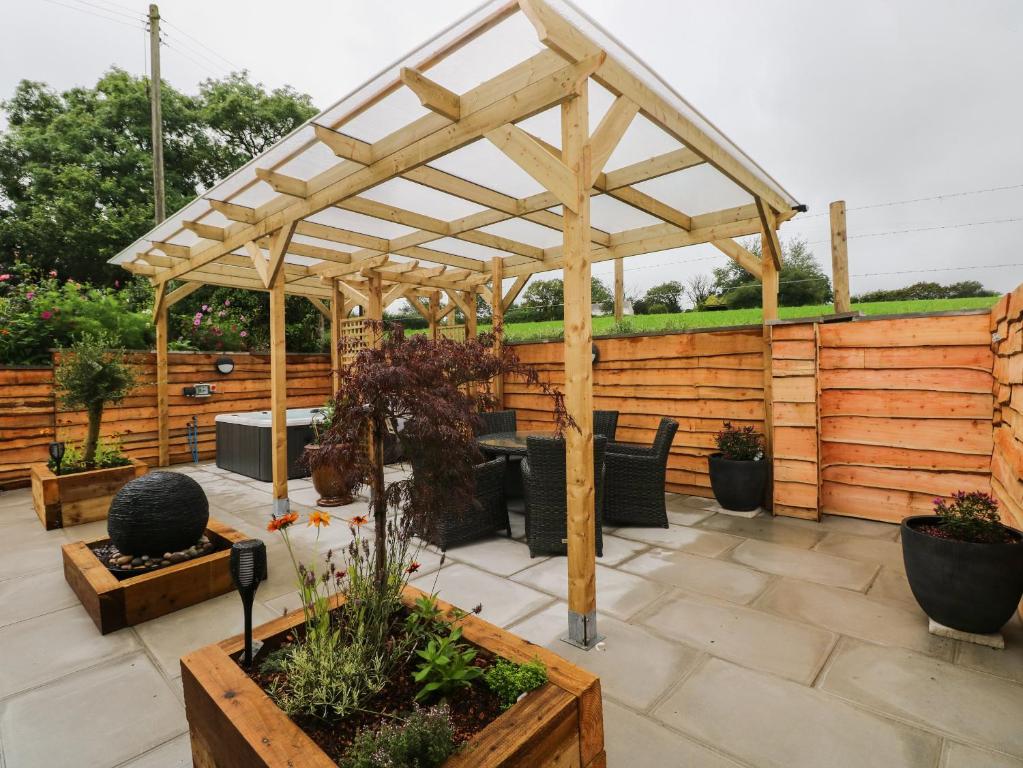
337	315
395	293
279	242
358	297
839	257
162	399
619	290
158	298
514	291
652	206
259	262
178	294
772	246
536	160
205	231
282	183
233	211
470	314
432	95
344	146
278	397
434	314
173	249
742	256
497	319
322	308
651	168
609	132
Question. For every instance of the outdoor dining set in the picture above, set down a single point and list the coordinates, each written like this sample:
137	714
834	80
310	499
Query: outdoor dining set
628	483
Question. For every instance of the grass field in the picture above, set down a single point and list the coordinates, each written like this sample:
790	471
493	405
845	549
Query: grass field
604	326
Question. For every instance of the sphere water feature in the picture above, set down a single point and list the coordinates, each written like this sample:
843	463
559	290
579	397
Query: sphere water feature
157	513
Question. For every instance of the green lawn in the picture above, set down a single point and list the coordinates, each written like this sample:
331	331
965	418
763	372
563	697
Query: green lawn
605	326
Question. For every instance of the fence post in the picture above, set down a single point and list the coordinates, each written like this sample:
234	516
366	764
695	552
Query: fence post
839	258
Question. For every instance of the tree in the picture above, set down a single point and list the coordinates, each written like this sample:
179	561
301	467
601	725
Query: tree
802	282
601	296
668	295
545	299
76	182
927	290
699	288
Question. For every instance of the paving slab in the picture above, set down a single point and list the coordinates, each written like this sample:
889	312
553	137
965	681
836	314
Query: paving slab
774	723
865	548
97	718
805	564
36	651
717	578
1007	663
854	614
961	756
19	498
638	742
972	707
170	637
859	527
503	601
765	528
30	596
618	550
176	753
635	666
619	594
35	555
694	540
744	635
891	584
498	555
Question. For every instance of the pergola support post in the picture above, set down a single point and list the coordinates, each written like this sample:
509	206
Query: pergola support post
162	401
619	290
497	319
434	312
582	585
278	397
470	314
840	258
337	315
769	299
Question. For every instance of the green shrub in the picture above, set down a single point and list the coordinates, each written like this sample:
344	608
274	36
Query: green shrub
740	443
423	740
510	680
971	517
220	327
108	454
657	309
446	665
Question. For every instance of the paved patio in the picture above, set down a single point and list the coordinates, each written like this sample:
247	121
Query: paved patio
730	642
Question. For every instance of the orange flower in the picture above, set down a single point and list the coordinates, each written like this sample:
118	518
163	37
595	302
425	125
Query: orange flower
318	517
412	567
359	520
282	522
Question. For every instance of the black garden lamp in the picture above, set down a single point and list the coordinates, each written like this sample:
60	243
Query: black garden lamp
248	568
594	354
57	454
225	365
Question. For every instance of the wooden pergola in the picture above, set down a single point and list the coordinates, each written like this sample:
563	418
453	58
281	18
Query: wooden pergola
522	139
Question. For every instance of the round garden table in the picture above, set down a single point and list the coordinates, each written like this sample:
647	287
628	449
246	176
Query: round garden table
512	445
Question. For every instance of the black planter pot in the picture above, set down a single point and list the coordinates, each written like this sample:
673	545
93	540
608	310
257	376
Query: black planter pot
965	586
157	513
738	485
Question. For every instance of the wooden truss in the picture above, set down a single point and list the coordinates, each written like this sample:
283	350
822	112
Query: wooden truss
286	245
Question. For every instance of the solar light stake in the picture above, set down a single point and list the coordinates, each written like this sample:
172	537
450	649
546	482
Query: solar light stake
57	454
248	568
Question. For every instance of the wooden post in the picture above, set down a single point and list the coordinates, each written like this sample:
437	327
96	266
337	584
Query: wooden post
337	315
619	290
769	297
278	397
156	114
470	315
582	585
840	258
434	311
162	402
497	318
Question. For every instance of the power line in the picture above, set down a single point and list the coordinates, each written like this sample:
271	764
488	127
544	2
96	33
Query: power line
133	15
944	196
927	229
231	65
96	14
204	67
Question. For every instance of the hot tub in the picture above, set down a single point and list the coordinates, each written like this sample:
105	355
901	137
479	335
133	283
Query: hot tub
244	444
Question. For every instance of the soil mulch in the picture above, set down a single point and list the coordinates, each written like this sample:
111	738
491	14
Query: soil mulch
940	532
472	708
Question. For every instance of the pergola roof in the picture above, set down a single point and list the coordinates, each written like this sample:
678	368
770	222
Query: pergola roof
451	158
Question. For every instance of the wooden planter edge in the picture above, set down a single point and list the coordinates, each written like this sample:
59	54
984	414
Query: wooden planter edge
229	714
46	490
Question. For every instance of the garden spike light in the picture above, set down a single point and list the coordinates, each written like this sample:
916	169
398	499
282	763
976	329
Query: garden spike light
248	568
57	454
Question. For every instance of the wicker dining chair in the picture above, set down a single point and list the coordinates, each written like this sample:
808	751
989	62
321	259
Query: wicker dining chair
492	422
487	514
605	423
544	483
634	480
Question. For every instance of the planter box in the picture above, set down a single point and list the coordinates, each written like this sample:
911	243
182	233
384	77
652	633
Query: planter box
234	724
64	500
114	604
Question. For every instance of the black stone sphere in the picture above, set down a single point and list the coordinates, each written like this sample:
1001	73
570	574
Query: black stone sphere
157	513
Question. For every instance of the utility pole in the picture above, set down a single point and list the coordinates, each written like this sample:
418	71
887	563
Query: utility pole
156	116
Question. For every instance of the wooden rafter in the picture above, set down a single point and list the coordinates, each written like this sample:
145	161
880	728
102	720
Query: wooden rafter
432	95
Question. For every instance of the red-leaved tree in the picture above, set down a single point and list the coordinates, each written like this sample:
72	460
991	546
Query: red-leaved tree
434	388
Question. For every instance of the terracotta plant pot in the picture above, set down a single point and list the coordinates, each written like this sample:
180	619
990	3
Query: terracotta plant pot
328	482
972	587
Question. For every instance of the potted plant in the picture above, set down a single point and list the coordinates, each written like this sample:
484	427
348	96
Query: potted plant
336	482
964	565
79	482
738	471
372	672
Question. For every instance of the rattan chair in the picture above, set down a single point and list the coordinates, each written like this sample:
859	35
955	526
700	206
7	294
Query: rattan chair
492	422
605	423
634	480
543	479
485	516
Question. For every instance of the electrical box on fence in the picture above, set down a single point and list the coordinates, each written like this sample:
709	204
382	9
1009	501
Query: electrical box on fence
199	390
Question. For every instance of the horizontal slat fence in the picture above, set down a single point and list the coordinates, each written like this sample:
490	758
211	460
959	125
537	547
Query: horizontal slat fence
905	408
702	379
1007	420
30	419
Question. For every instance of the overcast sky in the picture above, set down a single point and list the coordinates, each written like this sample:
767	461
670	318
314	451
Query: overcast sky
871	102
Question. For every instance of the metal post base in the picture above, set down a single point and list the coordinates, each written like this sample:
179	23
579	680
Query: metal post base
281	506
582	630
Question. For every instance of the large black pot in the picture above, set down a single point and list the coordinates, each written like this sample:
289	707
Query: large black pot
738	485
965	586
157	513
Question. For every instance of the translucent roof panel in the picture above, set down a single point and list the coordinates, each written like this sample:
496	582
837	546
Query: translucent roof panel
357	222
642	140
485	164
614	216
696	190
419	199
526	232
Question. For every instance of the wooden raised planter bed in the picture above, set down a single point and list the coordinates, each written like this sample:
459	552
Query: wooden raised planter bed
234	724
114	604
64	500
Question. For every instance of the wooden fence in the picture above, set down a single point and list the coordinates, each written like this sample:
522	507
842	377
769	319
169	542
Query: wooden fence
30	418
1007	421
